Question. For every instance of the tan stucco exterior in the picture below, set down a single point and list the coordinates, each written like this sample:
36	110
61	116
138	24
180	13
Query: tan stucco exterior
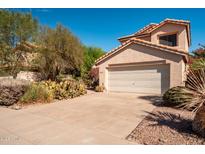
180	30
137	53
147	51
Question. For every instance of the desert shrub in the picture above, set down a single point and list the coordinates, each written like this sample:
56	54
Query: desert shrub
174	97
198	124
194	98
65	89
195	88
99	88
36	92
11	90
91	79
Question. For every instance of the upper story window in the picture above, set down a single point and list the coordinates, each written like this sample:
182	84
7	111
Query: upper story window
169	40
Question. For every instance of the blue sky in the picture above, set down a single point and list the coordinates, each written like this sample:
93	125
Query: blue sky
102	27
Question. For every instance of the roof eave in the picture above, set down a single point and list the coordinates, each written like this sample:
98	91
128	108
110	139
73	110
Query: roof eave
131	36
144	43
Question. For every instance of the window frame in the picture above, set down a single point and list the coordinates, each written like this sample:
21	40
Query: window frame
167	34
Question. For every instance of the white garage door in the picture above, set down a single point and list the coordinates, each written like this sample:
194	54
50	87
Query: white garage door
143	79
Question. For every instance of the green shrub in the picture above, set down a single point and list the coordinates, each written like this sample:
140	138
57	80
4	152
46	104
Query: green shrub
65	89
99	88
37	93
11	90
174	96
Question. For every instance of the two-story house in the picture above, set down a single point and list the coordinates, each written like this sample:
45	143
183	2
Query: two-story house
151	60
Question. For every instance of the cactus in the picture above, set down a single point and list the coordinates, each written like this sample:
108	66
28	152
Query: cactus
65	89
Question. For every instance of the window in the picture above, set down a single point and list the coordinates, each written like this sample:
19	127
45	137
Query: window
170	40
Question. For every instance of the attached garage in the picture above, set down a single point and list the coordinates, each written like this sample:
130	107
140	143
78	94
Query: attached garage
139	79
141	68
150	61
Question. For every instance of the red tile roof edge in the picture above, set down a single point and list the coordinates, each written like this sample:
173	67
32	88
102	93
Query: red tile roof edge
145	43
150	28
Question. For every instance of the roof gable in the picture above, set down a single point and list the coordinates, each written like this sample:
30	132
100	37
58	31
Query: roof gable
152	27
144	43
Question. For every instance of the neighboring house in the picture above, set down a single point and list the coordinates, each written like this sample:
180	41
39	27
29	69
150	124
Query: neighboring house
150	61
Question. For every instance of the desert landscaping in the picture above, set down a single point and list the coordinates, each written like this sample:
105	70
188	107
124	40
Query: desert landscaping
54	90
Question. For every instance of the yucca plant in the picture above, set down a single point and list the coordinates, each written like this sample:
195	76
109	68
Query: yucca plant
195	101
195	90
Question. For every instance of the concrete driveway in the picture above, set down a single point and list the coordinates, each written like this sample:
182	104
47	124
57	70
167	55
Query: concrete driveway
96	118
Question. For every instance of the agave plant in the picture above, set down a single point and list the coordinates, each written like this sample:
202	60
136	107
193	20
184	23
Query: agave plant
174	96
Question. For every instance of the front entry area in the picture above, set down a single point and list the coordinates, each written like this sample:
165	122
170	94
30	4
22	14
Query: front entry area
153	79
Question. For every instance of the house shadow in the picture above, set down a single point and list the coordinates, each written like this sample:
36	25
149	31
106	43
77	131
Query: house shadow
154	99
175	122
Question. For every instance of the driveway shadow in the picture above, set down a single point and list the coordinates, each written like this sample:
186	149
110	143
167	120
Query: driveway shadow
155	100
174	121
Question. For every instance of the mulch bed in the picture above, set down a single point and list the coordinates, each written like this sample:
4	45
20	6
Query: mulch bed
166	126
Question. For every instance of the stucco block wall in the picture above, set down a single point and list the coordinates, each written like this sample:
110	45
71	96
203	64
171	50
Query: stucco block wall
182	41
138	53
30	76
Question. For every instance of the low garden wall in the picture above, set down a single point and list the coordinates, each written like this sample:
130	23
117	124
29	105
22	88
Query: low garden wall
30	76
6	77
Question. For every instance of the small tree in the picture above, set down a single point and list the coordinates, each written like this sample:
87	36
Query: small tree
197	60
59	52
89	75
15	29
91	54
200	52
198	64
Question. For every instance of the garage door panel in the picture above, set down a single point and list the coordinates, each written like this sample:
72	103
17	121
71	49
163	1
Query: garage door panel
131	76
141	90
135	84
133	71
147	79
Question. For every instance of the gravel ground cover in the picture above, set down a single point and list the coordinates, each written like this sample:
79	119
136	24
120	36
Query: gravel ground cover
166	126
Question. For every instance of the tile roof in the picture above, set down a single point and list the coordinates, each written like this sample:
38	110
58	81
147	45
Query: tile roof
144	43
151	27
145	29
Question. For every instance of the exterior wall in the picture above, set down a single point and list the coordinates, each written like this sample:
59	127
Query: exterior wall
182	42
184	71
138	53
